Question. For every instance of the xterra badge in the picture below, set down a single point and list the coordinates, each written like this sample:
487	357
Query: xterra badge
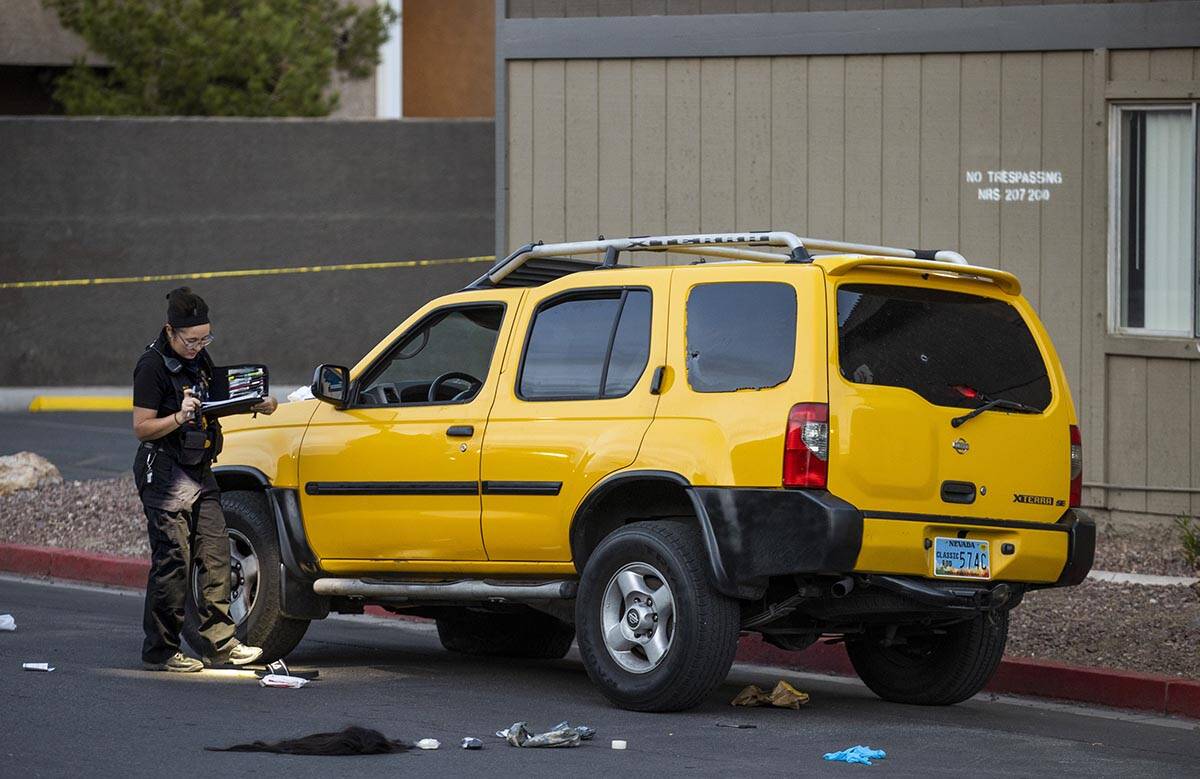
1040	500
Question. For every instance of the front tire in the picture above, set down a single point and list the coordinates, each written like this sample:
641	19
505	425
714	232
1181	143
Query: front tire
254	578
654	634
933	669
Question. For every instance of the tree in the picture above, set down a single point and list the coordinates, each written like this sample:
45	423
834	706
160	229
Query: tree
217	57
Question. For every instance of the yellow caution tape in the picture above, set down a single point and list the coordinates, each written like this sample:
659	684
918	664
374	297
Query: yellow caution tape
81	403
225	274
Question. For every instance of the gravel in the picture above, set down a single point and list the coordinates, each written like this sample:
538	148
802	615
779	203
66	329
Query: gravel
1133	627
100	515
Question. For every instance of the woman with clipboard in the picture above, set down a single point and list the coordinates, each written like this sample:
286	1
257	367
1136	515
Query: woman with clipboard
173	474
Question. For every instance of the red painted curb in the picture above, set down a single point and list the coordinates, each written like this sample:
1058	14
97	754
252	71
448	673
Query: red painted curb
1016	676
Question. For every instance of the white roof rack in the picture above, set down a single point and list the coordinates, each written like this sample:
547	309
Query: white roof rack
734	246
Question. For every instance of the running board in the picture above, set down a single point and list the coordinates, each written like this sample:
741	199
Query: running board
467	590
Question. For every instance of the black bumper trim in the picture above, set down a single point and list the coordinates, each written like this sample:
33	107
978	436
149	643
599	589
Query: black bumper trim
1016	524
752	534
1081	547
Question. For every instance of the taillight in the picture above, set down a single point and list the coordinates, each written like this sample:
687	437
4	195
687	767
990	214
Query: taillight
1076	466
806	446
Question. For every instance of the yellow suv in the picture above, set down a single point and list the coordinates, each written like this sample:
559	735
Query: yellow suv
876	445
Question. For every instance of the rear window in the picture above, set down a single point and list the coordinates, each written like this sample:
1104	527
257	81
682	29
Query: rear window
740	335
944	346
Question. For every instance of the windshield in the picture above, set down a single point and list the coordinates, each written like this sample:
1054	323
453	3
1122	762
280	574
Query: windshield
950	348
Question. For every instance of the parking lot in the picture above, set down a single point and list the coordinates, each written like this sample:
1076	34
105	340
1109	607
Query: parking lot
99	713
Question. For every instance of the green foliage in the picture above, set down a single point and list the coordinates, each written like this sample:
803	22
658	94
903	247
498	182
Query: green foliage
217	57
1189	534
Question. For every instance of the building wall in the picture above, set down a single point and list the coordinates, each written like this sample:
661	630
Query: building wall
521	9
449	51
879	148
134	198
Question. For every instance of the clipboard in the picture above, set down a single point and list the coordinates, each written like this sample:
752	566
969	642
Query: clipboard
236	389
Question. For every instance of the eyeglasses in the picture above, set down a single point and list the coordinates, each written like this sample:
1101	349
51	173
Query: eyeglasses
196	343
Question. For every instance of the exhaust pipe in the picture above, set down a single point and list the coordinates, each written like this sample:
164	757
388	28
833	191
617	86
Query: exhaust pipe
461	590
842	587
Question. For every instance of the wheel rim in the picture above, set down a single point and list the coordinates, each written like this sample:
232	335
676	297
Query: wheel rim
637	617
243	577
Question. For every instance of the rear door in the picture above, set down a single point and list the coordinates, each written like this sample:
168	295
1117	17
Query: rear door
572	406
909	354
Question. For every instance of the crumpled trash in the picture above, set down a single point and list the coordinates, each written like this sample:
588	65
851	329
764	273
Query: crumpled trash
428	743
472	743
37	666
857	754
280	680
561	735
300	393
784	696
7	622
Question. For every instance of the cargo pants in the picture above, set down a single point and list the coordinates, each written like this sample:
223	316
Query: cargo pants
181	541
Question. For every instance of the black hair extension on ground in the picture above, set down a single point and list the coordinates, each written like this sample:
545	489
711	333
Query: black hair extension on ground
350	741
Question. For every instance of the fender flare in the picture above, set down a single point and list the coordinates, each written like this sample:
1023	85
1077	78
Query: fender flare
606	487
299	566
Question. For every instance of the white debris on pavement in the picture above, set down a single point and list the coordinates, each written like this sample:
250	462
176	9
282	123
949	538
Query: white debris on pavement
428	743
618	744
37	667
279	680
7	622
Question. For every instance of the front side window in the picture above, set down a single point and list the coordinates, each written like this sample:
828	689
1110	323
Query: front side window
740	335
1155	211
445	359
587	345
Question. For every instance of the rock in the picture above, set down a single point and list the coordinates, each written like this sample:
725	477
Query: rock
26	471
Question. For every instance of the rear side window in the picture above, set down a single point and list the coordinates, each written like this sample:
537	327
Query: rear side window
950	348
740	335
587	346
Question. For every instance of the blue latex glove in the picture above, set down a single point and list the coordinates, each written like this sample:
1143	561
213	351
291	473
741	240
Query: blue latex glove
857	754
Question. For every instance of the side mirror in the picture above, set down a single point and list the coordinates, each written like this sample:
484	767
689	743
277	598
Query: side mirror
331	383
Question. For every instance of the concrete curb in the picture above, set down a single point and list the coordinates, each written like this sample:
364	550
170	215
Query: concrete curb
43	399
1015	676
63	398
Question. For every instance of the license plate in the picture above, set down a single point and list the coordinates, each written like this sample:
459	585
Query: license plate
961	558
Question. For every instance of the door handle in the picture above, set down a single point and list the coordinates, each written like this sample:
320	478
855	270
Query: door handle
461	431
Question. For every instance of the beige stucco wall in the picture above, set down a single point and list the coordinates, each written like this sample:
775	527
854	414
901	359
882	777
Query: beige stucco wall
31	35
879	149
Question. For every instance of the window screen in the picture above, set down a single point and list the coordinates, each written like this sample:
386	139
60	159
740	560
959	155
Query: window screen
948	347
740	336
579	343
1157	165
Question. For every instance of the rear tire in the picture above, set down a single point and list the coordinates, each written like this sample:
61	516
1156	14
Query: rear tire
252	532
497	634
933	670
654	633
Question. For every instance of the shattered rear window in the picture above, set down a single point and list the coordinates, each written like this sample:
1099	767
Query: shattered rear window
951	348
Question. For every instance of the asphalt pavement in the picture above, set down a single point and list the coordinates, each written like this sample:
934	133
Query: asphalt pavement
98	713
84	445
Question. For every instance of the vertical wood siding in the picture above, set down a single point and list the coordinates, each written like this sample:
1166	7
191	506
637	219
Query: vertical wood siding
524	9
875	149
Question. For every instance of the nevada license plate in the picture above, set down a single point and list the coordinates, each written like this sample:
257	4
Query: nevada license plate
961	558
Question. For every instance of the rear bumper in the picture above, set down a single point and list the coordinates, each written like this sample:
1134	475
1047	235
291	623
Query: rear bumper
753	534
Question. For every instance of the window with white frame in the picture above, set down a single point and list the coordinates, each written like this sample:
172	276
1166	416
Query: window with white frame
1153	214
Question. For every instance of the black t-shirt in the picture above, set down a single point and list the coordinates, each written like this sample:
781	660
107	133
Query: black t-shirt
153	389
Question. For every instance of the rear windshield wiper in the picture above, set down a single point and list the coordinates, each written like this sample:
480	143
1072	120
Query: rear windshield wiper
1011	405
